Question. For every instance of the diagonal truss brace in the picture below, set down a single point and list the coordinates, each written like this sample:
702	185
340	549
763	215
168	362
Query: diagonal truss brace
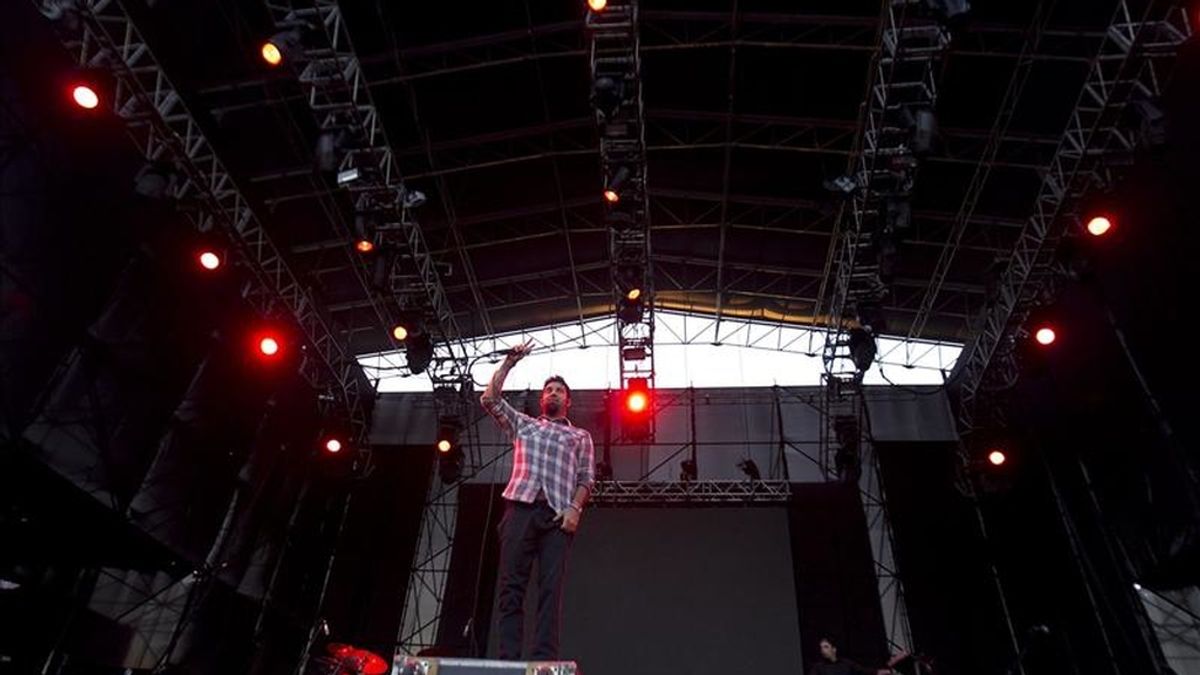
339	96
1132	64
100	34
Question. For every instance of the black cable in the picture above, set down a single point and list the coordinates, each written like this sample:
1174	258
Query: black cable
939	388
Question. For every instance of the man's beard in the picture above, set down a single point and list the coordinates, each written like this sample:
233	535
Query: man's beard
551	408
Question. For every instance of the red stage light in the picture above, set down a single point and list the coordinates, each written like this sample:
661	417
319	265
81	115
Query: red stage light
268	346
85	96
612	196
365	246
638	409
997	457
333	445
637	401
1099	226
1045	335
444	445
209	260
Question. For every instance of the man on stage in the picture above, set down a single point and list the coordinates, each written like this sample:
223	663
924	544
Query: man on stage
830	664
552	474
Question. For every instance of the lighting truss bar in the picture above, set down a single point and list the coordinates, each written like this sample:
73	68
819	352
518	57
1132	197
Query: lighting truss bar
901	86
322	94
902	83
339	96
163	129
1012	95
615	57
1133	62
693	492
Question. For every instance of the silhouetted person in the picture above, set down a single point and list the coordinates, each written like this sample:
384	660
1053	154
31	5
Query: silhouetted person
830	664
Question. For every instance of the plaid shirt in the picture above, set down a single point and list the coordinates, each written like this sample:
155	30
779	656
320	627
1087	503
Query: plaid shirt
549	456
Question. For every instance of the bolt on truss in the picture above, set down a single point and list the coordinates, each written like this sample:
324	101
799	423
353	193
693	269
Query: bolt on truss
617	100
100	34
1132	64
339	96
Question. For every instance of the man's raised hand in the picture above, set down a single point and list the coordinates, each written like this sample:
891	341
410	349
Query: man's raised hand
519	352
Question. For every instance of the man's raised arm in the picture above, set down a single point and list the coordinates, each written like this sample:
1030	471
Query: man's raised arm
504	414
495	385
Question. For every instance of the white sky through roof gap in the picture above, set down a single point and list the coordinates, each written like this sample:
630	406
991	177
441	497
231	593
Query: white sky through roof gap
687	353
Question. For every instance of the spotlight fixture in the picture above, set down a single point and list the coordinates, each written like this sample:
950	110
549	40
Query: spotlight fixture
268	346
862	348
843	186
209	259
923	132
631	310
637	401
636	409
413	199
418	349
1098	226
271	53
280	47
1045	336
156	180
85	96
449	450
612	191
608	91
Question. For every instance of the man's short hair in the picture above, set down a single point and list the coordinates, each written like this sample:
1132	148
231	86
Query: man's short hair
560	380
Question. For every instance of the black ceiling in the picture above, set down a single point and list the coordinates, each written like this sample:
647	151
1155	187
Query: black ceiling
487	109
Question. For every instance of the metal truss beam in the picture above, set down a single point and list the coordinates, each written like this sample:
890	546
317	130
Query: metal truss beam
100	34
675	130
686	284
693	492
1012	94
901	86
727	159
668	30
340	98
617	101
1133	63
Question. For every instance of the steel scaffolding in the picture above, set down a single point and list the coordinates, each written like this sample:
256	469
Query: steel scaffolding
1132	64
100	34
